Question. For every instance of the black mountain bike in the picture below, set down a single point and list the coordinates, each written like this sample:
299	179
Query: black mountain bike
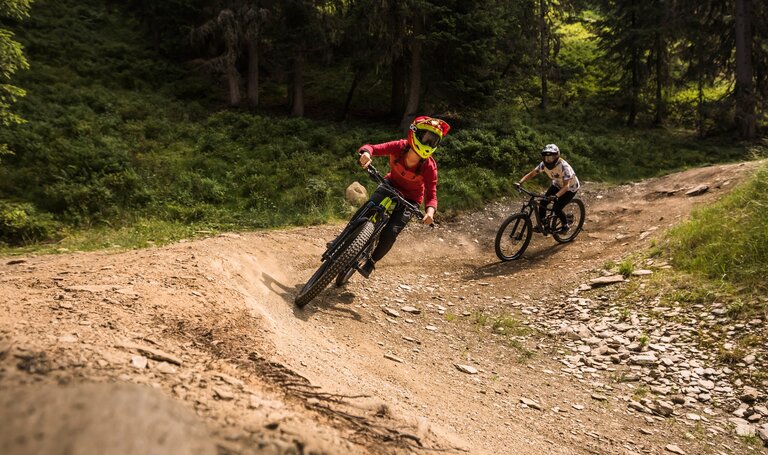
515	231
350	249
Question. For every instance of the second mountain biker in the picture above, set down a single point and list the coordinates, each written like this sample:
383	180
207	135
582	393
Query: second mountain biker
564	185
413	172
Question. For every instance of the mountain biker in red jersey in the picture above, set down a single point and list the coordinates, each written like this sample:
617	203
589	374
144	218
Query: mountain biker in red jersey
413	172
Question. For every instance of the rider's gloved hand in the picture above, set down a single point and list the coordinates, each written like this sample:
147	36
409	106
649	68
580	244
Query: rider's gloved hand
429	217
518	185
365	159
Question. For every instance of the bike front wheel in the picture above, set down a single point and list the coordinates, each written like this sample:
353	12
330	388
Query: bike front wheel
349	249
574	214
513	237
345	274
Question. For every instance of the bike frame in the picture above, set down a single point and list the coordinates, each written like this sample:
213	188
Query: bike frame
378	214
531	207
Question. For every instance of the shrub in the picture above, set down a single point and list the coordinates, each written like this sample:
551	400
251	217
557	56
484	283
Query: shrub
21	223
626	268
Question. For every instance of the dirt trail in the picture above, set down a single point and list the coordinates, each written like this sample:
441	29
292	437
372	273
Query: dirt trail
211	324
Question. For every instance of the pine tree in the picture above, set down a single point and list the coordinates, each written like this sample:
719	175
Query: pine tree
12	59
631	38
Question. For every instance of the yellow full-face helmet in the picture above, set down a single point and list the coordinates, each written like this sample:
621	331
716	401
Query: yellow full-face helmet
425	134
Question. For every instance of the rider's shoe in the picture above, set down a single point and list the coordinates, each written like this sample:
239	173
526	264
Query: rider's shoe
564	228
538	229
367	268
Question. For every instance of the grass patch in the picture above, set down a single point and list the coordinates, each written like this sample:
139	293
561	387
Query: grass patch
507	325
480	319
524	354
624	314
626	267
141	234
643	340
728	241
640	393
731	356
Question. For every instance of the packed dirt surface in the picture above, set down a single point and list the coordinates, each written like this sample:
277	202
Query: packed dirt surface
408	361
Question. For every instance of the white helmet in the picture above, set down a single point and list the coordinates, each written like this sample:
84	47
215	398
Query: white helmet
550	154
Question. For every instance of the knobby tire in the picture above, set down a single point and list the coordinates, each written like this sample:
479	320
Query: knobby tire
517	229
576	208
345	275
348	251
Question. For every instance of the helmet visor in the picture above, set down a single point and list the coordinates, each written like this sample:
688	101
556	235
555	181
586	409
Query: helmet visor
427	138
550	158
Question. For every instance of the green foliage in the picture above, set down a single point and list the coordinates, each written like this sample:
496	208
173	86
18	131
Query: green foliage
12	60
624	314
728	241
507	325
21	224
121	137
626	267
580	77
480	319
16	9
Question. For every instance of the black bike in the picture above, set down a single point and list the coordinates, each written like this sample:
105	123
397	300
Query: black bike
350	249
515	231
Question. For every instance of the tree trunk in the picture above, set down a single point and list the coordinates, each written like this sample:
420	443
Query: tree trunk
660	107
700	108
233	82
544	52
745	96
397	103
414	90
635	88
297	106
252	49
154	25
350	94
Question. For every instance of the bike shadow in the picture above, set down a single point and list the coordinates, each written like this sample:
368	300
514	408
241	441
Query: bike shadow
327	300
502	268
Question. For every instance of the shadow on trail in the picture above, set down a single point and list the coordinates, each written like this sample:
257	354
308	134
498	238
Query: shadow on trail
326	301
287	293
531	258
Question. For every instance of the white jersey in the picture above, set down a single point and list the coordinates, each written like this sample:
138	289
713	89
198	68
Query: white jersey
560	173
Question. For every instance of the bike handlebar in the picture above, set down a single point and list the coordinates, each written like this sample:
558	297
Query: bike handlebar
520	189
378	178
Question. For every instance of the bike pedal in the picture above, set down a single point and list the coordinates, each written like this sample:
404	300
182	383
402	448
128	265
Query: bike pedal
366	268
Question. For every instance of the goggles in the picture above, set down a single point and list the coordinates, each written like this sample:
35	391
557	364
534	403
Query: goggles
550	158
427	138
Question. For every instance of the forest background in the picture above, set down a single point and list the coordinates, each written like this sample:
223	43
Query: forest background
131	123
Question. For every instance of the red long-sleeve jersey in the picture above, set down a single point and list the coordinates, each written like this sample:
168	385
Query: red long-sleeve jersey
417	185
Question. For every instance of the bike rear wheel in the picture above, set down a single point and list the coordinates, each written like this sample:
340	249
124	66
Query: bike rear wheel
574	214
513	237
347	251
